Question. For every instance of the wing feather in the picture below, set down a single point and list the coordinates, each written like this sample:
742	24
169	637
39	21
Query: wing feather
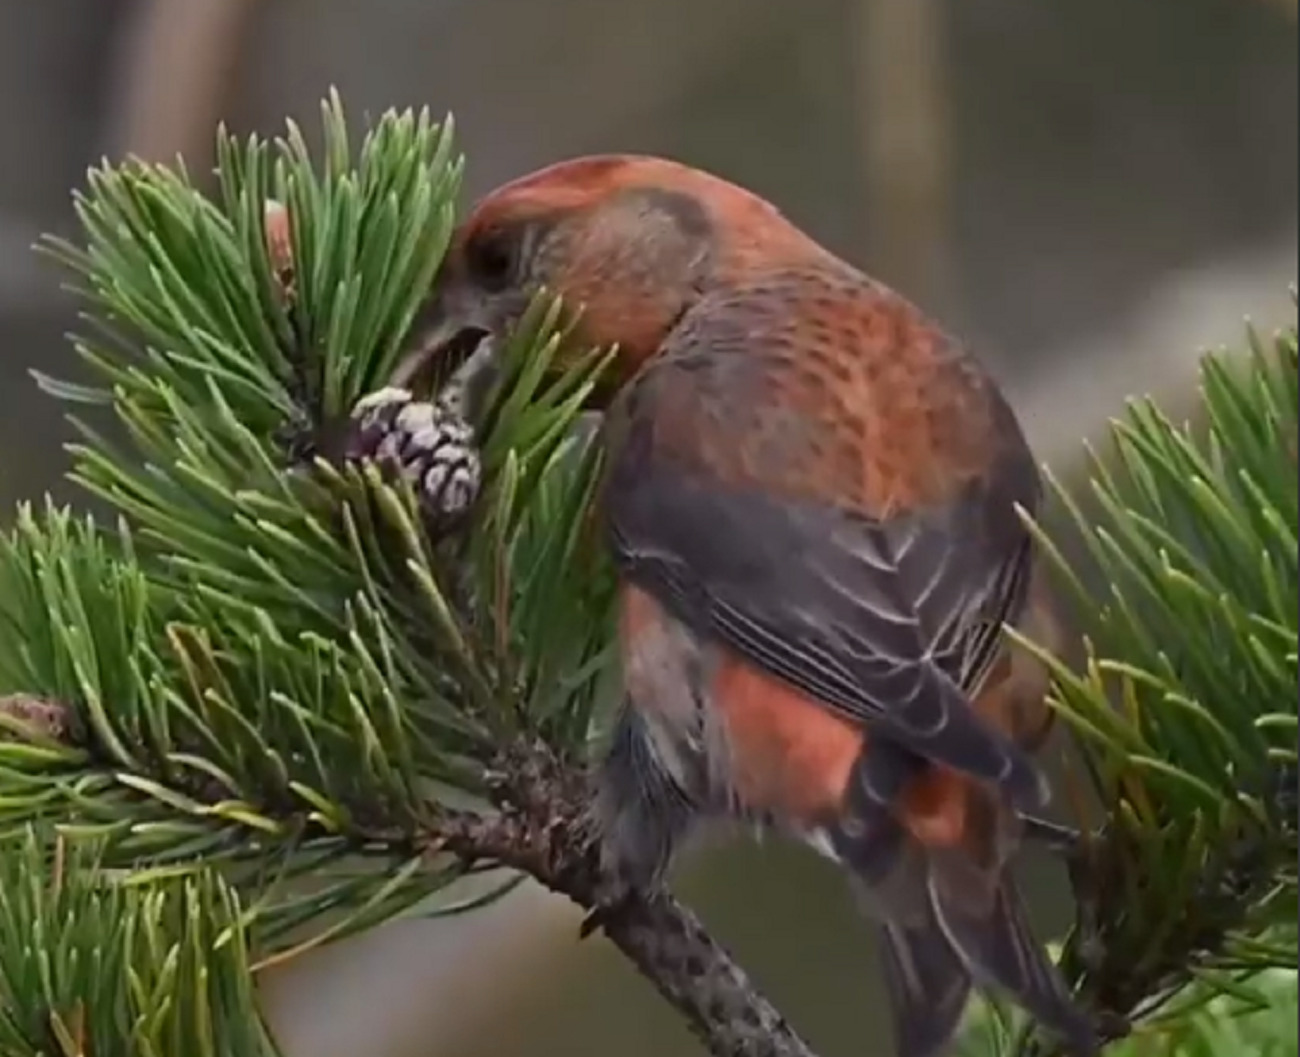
892	621
817	599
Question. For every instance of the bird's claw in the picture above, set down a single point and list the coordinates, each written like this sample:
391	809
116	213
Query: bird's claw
608	911
1054	835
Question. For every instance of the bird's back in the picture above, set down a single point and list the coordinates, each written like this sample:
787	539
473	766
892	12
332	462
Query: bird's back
819	384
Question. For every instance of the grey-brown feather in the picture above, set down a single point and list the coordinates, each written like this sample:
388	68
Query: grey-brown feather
894	622
819	599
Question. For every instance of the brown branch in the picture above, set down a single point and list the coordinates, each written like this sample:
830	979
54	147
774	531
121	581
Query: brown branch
540	830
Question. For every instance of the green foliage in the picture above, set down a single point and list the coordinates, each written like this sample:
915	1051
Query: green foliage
1207	1022
245	702
272	668
1186	708
120	970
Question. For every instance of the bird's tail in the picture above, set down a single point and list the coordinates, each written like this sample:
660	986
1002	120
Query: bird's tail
952	918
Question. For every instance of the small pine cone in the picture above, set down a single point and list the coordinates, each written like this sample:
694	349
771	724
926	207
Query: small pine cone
50	719
428	443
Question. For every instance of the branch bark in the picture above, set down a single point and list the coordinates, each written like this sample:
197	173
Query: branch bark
540	829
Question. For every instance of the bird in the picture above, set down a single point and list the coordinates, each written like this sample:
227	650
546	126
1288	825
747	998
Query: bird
813	500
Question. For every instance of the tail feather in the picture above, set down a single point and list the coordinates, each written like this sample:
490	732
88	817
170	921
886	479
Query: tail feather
928	988
993	940
952	918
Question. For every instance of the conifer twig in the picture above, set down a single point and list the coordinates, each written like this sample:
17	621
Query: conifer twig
542	831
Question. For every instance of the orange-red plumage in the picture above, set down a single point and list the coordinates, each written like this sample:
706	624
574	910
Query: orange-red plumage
793	756
812	504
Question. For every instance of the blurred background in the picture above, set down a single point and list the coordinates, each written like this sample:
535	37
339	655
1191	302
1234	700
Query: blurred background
1088	191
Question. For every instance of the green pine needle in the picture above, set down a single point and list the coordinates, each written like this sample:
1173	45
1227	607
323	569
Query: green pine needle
92	965
1186	708
1255	1018
270	668
240	709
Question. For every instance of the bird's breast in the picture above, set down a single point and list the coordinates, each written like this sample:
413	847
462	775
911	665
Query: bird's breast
790	757
750	744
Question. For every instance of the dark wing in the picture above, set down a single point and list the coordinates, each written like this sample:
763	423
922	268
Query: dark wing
890	622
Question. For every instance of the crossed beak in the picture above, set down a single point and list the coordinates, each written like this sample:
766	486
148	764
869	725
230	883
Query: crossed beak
451	351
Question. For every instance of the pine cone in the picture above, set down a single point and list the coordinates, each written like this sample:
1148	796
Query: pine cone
48	718
429	443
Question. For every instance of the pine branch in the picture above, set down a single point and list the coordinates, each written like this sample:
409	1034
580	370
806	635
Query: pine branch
283	664
278	666
1186	710
543	832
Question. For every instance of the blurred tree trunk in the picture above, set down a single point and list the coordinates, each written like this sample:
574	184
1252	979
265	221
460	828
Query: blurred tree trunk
905	142
174	77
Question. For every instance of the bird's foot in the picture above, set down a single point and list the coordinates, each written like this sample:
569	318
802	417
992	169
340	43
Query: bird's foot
612	906
1054	835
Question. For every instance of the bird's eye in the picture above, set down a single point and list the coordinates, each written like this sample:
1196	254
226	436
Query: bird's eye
491	258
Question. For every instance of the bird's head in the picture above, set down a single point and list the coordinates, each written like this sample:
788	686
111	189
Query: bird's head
628	242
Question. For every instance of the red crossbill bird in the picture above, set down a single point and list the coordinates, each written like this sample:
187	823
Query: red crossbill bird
810	501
